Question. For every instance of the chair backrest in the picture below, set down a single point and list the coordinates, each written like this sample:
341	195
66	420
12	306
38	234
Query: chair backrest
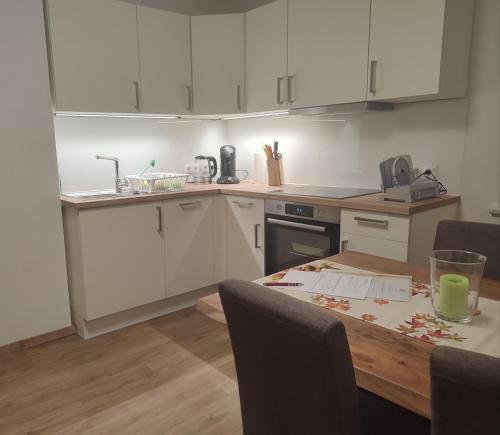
465	392
472	236
294	367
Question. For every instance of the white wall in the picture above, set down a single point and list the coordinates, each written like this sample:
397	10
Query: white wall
481	164
135	141
345	151
33	285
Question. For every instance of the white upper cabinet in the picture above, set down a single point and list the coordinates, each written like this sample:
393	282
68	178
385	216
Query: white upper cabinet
165	60
218	63
266	57
94	52
327	51
419	49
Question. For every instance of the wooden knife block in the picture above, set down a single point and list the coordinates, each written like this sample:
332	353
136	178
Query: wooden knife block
275	172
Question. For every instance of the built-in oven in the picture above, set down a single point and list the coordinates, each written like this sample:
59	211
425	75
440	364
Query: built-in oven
299	233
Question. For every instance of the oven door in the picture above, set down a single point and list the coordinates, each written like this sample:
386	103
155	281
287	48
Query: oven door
292	241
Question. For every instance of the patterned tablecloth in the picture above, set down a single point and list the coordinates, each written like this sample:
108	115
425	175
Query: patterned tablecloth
414	318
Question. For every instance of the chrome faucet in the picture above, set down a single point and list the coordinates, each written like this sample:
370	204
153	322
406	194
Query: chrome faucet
119	183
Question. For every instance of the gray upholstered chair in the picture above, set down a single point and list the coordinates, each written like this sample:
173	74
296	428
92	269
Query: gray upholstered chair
465	393
475	237
295	371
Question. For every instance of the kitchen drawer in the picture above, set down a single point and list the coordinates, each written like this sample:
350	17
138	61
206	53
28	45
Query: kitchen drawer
381	226
246	206
374	246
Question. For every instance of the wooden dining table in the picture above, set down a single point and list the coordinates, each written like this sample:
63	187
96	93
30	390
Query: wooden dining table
389	364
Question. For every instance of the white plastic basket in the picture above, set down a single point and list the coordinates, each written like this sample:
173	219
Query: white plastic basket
154	182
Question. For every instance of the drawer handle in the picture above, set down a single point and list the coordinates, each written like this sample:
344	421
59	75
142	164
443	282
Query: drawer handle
381	222
244	204
190	204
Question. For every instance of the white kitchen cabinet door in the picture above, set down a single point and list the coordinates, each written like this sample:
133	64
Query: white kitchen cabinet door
122	258
189	244
95	55
327	51
374	246
266	57
419	49
165	61
245	238
218	63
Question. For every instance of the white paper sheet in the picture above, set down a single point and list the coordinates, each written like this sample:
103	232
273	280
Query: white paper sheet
394	288
346	285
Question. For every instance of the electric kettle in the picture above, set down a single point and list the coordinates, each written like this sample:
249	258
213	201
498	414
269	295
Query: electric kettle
205	168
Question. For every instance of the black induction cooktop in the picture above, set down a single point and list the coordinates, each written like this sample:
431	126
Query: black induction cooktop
325	191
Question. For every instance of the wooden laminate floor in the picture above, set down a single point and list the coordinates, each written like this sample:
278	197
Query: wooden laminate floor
172	375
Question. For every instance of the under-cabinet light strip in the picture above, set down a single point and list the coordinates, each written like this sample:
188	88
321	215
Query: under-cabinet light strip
257	115
113	115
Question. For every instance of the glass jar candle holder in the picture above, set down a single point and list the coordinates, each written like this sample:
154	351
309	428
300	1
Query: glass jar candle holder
455	281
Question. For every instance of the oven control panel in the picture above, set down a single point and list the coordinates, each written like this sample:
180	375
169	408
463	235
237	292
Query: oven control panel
322	213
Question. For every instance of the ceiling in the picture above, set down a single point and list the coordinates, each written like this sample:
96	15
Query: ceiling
202	7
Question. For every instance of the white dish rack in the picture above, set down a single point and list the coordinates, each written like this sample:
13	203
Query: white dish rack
155	182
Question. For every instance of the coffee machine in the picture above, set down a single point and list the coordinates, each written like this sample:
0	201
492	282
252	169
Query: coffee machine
228	165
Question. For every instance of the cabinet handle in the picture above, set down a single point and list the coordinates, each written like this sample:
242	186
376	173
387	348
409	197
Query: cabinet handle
381	222
244	204
256	236
189	106
289	88
189	204
278	90
238	97
160	219
373	76
137	105
343	245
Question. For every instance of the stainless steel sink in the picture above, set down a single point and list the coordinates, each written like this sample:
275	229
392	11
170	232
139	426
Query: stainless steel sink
93	195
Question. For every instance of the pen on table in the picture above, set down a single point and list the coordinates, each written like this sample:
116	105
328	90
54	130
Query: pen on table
282	284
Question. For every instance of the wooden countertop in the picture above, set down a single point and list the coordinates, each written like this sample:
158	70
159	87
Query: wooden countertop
386	363
368	202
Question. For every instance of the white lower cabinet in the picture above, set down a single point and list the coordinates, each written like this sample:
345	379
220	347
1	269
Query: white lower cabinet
404	238
244	238
121	253
189	244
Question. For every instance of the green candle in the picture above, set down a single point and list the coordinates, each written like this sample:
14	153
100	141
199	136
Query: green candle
453	295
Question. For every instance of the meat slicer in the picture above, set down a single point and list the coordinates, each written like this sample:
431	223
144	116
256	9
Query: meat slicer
399	182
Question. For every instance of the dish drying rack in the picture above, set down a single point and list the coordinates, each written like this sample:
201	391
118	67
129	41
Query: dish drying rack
155	182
